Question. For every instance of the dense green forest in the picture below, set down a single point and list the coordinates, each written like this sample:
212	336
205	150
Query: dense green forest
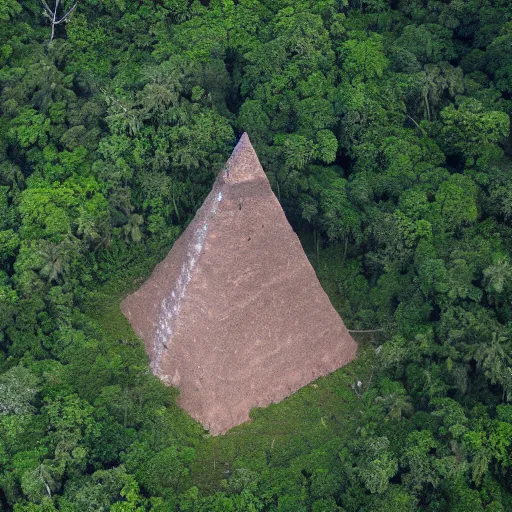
384	128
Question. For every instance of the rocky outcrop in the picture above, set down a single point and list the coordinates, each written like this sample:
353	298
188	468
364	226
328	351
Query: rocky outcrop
235	316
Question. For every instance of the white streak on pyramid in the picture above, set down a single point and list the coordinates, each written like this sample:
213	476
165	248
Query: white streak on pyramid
235	316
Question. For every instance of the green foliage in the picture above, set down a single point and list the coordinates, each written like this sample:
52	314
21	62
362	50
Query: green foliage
18	388
363	59
469	130
384	128
8	8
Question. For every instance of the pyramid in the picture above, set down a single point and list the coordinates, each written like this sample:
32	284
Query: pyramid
235	316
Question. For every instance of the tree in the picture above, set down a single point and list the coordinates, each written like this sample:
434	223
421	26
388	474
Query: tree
436	82
39	483
54	18
496	362
132	228
375	463
18	388
363	58
469	129
9	8
456	203
56	260
396	405
419	463
383	127
498	277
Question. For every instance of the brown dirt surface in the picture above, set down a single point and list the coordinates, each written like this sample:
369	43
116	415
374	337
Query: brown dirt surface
235	316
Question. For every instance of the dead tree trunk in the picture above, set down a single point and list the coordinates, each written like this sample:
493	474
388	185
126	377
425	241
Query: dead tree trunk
52	15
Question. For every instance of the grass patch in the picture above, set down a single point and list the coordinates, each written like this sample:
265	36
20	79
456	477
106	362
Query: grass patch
308	420
102	304
323	411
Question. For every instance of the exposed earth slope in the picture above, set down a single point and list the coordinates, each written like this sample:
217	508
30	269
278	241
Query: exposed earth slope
235	316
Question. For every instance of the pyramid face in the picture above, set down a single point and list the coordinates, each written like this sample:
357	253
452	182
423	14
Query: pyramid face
235	316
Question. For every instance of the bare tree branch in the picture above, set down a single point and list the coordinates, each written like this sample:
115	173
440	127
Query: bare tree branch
113	99
369	330
417	125
52	14
48	10
53	20
66	16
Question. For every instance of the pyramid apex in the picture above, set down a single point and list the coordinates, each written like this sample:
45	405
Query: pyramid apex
243	164
244	138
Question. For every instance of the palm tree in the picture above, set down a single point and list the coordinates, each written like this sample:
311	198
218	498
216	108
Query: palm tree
498	277
438	80
56	260
132	227
95	229
396	405
480	465
495	359
43	477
